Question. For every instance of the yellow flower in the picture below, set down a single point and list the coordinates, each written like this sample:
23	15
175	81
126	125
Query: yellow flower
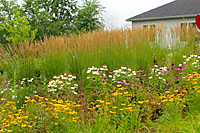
3	99
23	125
36	96
53	100
126	92
112	112
101	101
119	85
29	126
175	91
98	106
56	124
140	102
78	105
9	131
129	108
167	92
107	103
184	91
194	83
114	107
171	99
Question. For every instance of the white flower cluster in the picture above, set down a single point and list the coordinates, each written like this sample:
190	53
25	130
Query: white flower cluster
123	72
28	80
96	71
194	59
114	75
158	72
63	82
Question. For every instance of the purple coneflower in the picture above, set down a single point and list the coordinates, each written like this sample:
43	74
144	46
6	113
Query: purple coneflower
124	87
127	83
94	80
100	91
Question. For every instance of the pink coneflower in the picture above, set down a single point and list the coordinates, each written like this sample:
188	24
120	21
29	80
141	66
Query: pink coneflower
127	83
124	87
178	68
175	78
120	82
100	71
105	79
134	85
94	80
143	74
111	72
100	91
184	64
168	70
172	65
102	76
180	73
138	79
183	69
140	71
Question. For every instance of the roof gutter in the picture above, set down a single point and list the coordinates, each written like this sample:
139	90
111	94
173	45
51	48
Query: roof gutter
160	18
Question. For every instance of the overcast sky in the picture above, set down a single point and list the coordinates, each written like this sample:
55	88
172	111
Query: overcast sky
117	11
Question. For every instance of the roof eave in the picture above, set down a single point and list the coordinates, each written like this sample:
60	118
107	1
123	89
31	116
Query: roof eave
161	18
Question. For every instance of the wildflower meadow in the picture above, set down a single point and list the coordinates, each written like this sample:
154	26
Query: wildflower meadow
102	81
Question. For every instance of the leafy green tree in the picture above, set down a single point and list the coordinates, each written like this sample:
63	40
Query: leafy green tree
18	28
51	17
89	16
6	8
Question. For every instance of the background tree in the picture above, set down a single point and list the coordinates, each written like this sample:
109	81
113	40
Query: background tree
18	29
51	17
89	16
6	8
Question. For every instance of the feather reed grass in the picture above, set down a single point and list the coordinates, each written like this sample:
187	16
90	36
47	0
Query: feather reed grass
135	48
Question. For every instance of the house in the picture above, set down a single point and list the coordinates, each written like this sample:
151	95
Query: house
171	14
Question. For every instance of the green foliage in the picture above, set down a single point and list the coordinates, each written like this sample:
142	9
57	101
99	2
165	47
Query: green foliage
6	8
89	16
18	29
50	17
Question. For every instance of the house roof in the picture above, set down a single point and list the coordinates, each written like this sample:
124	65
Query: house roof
175	9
